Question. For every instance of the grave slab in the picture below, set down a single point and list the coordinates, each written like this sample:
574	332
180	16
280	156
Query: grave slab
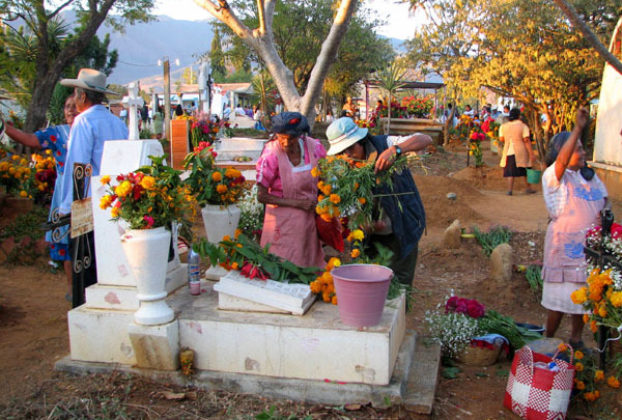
156	346
304	390
231	303
315	346
289	297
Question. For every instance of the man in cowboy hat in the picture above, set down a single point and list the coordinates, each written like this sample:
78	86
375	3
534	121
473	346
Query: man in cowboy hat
94	126
403	222
90	130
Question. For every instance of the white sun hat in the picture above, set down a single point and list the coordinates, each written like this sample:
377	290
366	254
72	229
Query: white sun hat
89	79
343	133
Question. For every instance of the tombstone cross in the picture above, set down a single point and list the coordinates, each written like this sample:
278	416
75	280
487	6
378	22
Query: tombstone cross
133	102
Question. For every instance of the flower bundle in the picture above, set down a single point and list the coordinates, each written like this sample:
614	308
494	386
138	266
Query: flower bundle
150	197
397	111
242	253
323	285
251	214
589	378
28	178
347	188
418	107
208	183
203	129
602	298
476	136
465	319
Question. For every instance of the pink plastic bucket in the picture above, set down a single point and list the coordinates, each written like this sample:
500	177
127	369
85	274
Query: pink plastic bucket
361	292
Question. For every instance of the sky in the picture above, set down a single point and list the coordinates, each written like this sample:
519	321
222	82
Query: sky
401	22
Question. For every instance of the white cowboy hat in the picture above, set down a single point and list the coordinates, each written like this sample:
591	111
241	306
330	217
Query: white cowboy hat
89	79
343	133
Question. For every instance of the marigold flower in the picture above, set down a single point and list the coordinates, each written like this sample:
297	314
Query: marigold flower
355	253
237	233
333	262
579	296
358	234
315	172
216	176
586	318
123	189
326	189
105	179
148	182
315	287
114	212
599	375
334	300
105	202
226	238
578	366
335	199
613	382
326	297
235	265
578	355
589	396
616	299
562	347
23	193
602	310
362	200
580	385
326	217
221	188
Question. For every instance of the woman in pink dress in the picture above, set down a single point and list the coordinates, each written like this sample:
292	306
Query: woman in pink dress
286	186
574	197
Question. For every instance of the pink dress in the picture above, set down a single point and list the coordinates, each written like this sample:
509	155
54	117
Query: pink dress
291	232
573	204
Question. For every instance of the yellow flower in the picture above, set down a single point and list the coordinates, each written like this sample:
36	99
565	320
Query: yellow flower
578	355
599	375
105	179
613	382
334	300
562	347
23	193
315	172
123	189
237	233
593	326
221	188
216	176
616	299
148	182
226	238
114	212
105	201
355	253
232	173
602	311
333	262
362	200
315	287
580	385
579	296
578	366
586	318
326	189
358	234
335	199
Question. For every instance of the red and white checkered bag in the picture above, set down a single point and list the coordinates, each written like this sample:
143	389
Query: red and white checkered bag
534	393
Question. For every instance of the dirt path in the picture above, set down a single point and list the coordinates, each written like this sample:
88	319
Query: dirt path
33	327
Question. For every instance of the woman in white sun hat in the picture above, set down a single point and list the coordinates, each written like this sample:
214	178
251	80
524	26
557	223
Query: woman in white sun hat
403	220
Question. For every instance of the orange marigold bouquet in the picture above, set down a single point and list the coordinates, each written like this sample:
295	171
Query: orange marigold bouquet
150	197
346	188
208	183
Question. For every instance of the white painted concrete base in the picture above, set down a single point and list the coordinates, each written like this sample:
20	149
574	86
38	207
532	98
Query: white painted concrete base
316	346
97	335
156	346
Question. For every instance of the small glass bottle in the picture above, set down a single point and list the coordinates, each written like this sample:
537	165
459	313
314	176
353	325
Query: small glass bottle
194	272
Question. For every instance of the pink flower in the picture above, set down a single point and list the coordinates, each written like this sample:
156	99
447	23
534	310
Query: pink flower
149	221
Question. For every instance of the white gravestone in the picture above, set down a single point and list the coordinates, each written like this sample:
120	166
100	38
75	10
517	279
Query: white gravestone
133	102
290	297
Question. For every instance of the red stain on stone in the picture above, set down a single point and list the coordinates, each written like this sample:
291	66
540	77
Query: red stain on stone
112	298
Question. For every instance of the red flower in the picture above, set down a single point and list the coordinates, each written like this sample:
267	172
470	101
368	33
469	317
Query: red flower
149	220
475	309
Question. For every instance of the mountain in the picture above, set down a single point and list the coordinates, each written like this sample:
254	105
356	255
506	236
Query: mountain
142	45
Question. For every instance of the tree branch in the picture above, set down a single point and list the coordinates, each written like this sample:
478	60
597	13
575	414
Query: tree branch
223	13
590	37
327	56
261	17
59	9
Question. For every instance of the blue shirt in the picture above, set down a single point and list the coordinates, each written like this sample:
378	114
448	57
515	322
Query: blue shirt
88	133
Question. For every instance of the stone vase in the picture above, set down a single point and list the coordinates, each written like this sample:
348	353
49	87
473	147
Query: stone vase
147	256
219	221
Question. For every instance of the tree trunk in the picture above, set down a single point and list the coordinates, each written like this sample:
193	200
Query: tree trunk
261	40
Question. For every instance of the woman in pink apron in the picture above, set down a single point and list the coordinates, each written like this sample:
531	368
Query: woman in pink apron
574	197
288	189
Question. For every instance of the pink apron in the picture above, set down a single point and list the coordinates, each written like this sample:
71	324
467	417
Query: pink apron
564	260
290	231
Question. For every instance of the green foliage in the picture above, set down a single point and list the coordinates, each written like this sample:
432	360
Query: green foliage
473	43
145	133
450	372
495	323
534	278
497	235
56	113
25	229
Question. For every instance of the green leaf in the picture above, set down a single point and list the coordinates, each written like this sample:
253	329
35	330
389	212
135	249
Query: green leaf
450	372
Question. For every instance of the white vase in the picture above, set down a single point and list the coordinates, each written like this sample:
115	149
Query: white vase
147	255
219	221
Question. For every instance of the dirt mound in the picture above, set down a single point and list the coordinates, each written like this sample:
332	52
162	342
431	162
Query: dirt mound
441	211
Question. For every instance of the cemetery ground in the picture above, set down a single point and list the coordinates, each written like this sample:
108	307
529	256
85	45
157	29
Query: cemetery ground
33	321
